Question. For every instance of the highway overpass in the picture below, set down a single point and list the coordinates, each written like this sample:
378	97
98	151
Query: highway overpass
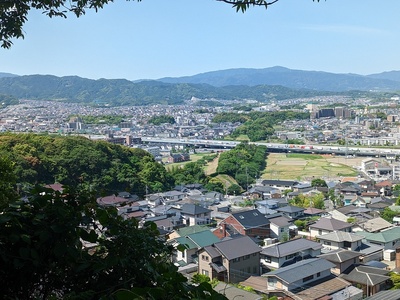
390	153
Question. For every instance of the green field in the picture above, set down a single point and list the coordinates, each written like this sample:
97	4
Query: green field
193	158
307	166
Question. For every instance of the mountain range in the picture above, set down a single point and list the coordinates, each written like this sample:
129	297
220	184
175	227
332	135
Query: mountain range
275	83
296	79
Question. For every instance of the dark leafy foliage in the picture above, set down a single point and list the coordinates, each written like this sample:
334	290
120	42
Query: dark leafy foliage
244	163
78	161
63	246
158	120
258	126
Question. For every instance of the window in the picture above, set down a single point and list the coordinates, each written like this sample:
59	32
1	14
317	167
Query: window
327	243
282	229
290	256
204	257
319	232
204	272
347	244
308	278
246	257
271	282
236	259
267	259
318	274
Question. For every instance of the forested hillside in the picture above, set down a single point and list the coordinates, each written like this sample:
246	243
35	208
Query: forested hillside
124	92
79	162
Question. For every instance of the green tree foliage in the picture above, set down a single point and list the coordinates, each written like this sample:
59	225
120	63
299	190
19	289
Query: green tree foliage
78	161
158	120
318	182
104	119
215	185
395	278
301	224
389	214
316	201
63	246
257	125
7	182
234	189
6	100
191	172
243	163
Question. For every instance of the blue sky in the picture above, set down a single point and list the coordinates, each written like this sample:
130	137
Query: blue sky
171	38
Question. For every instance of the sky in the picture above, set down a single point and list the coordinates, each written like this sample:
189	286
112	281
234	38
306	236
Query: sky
173	38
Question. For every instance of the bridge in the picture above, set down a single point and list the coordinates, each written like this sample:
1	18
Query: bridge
389	153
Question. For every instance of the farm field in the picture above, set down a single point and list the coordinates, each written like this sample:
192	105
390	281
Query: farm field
308	166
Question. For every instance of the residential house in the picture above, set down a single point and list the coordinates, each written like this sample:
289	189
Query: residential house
251	223
291	211
358	201
328	225
114	201
325	289
264	192
178	157
281	227
388	238
166	198
314	212
300	274
190	244
384	187
340	240
194	214
231	260
282	185
343	259
373	225
371	279
286	253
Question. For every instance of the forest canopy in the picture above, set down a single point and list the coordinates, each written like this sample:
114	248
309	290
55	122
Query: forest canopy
78	161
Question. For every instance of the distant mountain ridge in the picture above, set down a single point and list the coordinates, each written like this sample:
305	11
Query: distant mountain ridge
7	75
125	92
296	79
276	83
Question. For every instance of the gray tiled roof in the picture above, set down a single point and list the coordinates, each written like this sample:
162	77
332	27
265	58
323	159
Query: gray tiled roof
212	251
251	218
193	209
280	221
237	247
340	236
330	224
301	269
340	255
290	209
385	295
290	247
367	275
279	182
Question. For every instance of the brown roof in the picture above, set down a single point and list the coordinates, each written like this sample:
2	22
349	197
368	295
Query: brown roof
56	187
384	183
112	200
258	283
323	289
